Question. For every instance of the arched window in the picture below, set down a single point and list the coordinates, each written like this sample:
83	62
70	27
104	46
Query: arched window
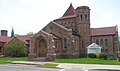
97	41
106	43
101	42
81	18
65	42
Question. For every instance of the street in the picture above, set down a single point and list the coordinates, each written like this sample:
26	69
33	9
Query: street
21	67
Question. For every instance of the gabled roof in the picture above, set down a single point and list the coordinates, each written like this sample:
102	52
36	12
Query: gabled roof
71	16
70	11
94	45
16	38
24	38
4	38
103	31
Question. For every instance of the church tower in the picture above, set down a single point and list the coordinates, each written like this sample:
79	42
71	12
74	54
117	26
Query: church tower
83	26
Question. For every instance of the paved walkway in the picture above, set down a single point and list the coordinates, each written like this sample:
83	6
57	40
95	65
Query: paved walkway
69	65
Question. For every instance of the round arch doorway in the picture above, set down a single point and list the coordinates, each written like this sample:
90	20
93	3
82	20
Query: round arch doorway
42	48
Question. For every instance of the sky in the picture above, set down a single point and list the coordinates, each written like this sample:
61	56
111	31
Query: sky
32	15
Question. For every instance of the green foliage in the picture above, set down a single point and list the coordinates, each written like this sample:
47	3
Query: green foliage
92	55
49	65
83	55
103	55
6	60
88	61
108	56
15	48
98	55
111	56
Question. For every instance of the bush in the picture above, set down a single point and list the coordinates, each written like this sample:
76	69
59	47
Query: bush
111	56
83	55
92	55
103	55
98	55
15	48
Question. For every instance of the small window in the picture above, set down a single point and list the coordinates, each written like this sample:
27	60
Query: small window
65	42
81	18
85	17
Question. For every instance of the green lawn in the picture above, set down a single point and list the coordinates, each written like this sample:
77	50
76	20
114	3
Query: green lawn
88	61
6	60
49	65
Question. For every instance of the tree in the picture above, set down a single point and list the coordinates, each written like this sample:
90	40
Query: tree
30	33
15	48
12	33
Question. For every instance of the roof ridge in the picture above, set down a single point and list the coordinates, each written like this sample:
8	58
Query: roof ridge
103	27
61	26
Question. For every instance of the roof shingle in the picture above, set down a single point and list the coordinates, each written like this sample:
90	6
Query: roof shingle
4	38
103	31
70	11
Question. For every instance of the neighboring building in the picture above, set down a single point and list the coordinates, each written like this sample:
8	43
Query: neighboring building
4	38
70	35
25	38
106	37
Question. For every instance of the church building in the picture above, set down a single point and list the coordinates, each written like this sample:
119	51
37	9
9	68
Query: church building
69	36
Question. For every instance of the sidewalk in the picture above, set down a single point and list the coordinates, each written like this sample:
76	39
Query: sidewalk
88	66
69	65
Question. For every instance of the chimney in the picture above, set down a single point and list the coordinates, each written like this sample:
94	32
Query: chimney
4	32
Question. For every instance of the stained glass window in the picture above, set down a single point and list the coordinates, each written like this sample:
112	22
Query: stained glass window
65	42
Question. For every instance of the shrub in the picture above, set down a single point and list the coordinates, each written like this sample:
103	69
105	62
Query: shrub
111	56
83	55
98	55
103	55
15	48
92	55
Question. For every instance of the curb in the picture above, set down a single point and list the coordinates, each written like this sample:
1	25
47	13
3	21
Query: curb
23	63
49	67
38	65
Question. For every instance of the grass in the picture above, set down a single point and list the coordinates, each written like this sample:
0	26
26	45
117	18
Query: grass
88	61
49	65
6	60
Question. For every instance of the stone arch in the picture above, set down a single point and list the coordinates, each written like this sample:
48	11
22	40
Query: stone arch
41	46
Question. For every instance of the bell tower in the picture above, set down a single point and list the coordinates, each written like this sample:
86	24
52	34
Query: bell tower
83	26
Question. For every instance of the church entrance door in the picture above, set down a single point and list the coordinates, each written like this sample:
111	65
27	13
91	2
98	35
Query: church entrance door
42	50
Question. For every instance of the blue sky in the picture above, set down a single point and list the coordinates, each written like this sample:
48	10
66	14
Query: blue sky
32	15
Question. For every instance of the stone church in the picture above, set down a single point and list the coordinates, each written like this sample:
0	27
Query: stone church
67	36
